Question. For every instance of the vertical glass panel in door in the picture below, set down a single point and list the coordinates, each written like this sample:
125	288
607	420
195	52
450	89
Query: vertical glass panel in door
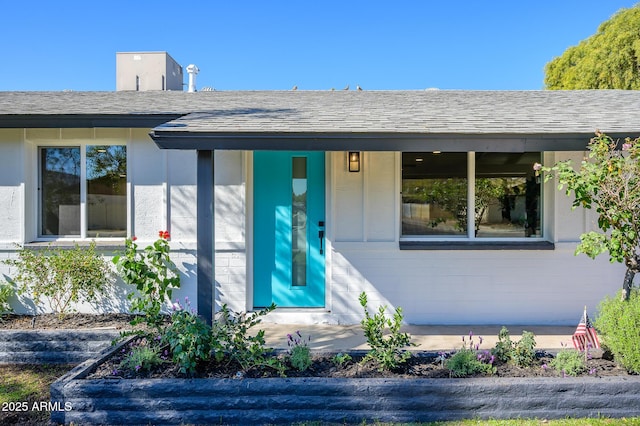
299	227
59	191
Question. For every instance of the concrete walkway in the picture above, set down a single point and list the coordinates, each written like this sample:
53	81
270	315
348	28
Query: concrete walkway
335	338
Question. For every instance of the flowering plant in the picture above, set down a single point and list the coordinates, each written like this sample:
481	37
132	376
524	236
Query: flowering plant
153	274
299	351
471	360
609	180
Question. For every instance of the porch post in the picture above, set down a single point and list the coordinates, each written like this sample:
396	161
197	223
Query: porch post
205	246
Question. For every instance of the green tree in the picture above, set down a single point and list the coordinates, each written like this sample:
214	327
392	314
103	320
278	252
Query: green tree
609	181
609	59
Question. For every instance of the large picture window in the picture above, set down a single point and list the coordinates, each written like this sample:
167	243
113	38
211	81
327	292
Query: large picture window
83	191
439	189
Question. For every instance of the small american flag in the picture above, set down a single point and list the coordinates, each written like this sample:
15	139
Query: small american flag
585	334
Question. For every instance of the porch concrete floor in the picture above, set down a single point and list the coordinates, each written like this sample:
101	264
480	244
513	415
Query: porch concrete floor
335	338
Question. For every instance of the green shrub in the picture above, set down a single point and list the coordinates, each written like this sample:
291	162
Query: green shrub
521	353
189	339
469	359
231	340
141	358
569	362
340	359
466	362
299	351
6	291
386	351
618	322
57	278
524	353
504	347
154	275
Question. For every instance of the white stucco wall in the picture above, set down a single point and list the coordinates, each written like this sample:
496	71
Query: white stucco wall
438	287
11	185
455	286
161	195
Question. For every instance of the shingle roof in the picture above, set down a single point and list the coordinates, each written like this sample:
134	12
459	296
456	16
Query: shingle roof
422	112
338	120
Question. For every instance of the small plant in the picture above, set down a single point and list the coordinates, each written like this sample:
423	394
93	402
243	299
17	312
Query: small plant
58	278
189	339
504	346
231	340
569	362
521	353
141	358
299	352
153	274
471	360
524	353
340	360
618	322
386	351
6	291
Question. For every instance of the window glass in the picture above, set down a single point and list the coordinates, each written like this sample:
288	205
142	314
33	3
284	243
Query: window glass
299	222
59	191
434	194
103	202
107	191
507	195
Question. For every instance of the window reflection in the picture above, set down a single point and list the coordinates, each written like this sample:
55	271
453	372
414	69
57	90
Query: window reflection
435	191
107	191
434	194
299	222
507	195
59	191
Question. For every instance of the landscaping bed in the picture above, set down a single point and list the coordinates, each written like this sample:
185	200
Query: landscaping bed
350	394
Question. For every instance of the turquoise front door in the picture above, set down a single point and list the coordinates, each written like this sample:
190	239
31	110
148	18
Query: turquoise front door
288	227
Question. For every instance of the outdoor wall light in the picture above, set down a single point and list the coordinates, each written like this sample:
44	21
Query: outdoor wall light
354	161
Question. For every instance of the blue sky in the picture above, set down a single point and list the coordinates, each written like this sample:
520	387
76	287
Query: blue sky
316	45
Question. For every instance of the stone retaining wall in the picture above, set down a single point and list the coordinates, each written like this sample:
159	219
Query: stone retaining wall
53	346
290	400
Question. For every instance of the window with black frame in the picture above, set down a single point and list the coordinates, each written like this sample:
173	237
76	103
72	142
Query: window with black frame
105	193
435	195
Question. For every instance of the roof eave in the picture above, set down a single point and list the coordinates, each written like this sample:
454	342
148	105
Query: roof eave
23	121
366	141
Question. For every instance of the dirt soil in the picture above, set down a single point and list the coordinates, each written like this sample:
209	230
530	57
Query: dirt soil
68	321
422	365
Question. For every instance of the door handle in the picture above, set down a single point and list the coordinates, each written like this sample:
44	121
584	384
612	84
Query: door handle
321	234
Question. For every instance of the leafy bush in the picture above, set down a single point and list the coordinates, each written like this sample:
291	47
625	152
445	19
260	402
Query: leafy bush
299	352
153	274
618	322
470	360
189	339
60	277
385	350
340	359
569	362
6	291
141	358
524	354
231	340
504	347
521	353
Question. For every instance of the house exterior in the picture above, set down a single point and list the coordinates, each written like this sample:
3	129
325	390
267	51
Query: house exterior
308	198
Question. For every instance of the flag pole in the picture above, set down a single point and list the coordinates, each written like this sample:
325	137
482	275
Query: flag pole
586	347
